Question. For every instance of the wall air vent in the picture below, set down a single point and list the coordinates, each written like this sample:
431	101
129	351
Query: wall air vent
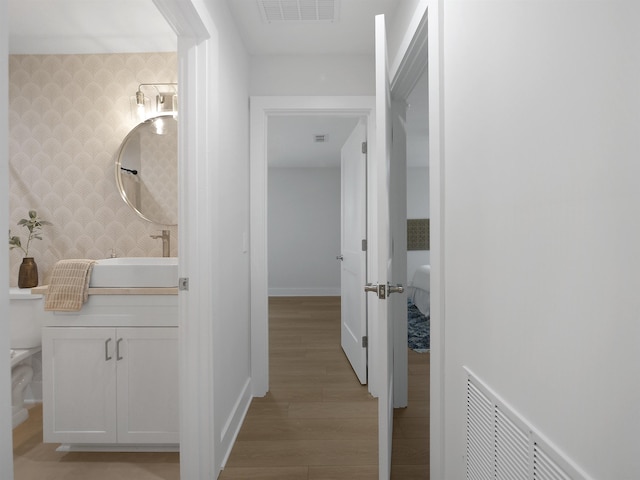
321	138
298	10
501	445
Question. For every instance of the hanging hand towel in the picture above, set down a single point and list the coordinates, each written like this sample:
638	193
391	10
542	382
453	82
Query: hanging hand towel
69	285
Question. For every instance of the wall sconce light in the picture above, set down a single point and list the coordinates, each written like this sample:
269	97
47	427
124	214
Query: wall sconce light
166	101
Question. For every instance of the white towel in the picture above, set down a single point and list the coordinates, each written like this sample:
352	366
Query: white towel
69	286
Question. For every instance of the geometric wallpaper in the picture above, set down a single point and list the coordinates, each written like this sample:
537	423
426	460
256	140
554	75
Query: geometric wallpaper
418	234
68	115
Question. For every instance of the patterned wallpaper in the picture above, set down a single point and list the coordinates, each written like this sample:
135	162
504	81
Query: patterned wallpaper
68	115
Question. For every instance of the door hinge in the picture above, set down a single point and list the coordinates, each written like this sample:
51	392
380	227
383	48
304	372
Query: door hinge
364	147
365	342
364	245
183	283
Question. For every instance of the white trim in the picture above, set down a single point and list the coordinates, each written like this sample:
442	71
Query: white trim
260	110
198	454
435	21
71	447
184	18
408	38
304	292
234	423
6	417
413	63
425	42
197	131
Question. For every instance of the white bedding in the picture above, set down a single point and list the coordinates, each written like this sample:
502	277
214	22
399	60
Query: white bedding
420	288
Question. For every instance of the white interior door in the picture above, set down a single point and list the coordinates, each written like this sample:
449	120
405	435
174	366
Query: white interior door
384	249
353	269
398	225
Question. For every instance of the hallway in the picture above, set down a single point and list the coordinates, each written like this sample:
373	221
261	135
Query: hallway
317	422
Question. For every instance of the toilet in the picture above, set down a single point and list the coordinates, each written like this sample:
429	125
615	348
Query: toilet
26	316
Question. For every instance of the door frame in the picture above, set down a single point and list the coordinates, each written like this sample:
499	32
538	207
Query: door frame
424	42
261	108
197	60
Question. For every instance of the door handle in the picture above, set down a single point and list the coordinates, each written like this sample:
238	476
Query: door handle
340	257
106	350
118	357
370	287
379	290
395	289
383	290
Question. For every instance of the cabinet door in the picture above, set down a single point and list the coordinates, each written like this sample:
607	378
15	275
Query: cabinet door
147	385
79	385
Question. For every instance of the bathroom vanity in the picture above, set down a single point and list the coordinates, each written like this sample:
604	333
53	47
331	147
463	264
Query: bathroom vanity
110	372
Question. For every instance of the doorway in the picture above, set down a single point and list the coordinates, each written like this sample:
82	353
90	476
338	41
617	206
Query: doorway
263	109
193	50
309	372
317	218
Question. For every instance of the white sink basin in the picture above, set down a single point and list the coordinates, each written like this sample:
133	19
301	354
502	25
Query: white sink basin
135	272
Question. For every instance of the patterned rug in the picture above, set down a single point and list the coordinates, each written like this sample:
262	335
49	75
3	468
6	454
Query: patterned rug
418	328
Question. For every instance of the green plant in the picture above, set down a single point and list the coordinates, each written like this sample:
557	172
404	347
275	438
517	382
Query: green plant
34	225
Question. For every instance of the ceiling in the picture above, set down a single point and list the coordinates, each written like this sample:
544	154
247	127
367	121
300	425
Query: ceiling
87	26
292	140
350	34
127	26
117	26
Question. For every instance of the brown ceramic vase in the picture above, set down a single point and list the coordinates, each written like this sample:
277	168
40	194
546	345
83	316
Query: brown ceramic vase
28	274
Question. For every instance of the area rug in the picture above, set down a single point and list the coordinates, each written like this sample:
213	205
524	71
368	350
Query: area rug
418	329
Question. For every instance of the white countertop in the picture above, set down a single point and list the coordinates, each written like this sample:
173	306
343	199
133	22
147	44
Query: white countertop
42	289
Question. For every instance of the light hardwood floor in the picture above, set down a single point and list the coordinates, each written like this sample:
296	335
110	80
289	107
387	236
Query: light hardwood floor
34	460
316	422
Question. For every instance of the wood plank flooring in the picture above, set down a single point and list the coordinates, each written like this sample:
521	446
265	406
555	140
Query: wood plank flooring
34	460
316	423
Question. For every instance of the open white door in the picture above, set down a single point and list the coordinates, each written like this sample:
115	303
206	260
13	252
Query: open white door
398	225
353	269
387	289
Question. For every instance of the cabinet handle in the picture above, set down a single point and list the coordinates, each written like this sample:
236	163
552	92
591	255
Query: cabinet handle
106	349
118	357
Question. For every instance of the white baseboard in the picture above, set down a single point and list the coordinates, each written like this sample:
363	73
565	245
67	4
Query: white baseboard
304	292
231	429
72	447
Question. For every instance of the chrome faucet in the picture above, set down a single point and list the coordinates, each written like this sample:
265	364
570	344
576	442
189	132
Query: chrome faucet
166	242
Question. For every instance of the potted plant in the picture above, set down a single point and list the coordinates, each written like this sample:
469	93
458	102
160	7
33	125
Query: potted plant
28	274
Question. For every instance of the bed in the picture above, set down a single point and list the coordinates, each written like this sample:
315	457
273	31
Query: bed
418	308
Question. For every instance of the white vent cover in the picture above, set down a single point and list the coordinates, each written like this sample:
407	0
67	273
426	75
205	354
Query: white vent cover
501	445
298	10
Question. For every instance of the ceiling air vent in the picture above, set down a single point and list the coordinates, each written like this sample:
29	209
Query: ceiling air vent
298	10
321	138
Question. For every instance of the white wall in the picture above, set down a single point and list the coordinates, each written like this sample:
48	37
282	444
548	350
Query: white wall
304	231
291	75
417	207
541	108
401	27
312	75
229	159
6	449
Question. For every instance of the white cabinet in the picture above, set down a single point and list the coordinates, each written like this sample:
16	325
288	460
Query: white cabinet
110	385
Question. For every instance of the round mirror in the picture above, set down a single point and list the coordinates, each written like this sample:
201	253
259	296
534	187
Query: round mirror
147	170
